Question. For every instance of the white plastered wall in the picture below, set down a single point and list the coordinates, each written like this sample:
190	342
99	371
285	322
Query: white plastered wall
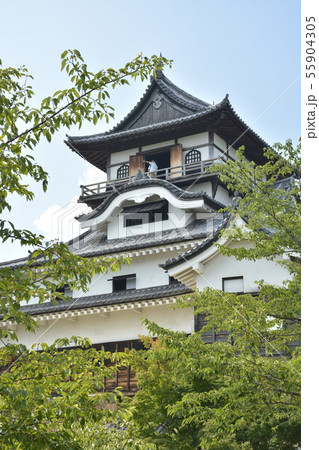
119	159
222	195
158	145
177	218
199	187
147	270
193	140
222	266
110	327
232	153
220	142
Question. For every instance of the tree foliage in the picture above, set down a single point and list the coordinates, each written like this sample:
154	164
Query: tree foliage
21	129
243	393
47	396
45	390
22	126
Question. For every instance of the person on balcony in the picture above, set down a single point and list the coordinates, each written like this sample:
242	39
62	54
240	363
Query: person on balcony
139	175
152	168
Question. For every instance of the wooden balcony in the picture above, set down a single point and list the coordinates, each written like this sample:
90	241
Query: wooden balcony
92	194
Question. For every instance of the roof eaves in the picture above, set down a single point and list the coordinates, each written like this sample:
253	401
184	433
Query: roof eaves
155	292
208	242
104	137
244	125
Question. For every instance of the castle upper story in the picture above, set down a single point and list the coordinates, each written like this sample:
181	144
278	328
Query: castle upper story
184	135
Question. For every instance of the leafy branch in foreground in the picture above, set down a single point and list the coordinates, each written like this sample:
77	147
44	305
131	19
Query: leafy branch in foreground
40	279
47	395
22	126
243	390
21	129
49	388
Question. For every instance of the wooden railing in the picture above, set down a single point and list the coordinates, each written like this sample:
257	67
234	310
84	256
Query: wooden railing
168	173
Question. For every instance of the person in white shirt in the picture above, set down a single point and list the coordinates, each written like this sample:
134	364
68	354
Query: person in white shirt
152	168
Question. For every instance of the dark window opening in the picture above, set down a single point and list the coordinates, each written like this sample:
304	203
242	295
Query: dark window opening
146	213
123	171
131	220
210	335
63	290
173	280
233	284
162	159
124	283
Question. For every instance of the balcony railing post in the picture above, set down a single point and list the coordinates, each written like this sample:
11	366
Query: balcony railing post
167	173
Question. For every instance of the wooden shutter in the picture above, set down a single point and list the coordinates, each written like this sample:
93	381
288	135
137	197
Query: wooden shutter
136	162
176	160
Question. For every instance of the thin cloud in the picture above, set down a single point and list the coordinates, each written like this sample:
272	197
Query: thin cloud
58	223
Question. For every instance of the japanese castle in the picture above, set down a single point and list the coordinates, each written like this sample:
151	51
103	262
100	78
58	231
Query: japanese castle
165	221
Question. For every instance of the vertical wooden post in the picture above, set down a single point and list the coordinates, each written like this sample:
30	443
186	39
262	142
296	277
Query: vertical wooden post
176	160
116	373
136	161
128	385
104	378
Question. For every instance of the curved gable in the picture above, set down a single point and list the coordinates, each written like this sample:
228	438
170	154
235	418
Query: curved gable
139	191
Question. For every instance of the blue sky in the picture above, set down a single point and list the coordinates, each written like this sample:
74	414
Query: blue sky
249	49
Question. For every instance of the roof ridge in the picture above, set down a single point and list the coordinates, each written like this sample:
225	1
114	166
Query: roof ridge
171	90
188	99
130	113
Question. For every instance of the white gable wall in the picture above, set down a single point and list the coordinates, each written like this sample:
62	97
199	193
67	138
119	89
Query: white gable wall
222	266
222	196
176	219
206	187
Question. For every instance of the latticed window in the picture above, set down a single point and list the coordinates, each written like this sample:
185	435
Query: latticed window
192	156
123	171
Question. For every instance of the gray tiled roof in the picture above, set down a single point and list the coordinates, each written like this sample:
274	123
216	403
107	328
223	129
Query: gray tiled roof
284	184
202	246
145	182
117	135
95	243
113	298
173	92
104	137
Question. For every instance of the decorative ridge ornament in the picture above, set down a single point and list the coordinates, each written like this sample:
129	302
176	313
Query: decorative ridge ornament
157	101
